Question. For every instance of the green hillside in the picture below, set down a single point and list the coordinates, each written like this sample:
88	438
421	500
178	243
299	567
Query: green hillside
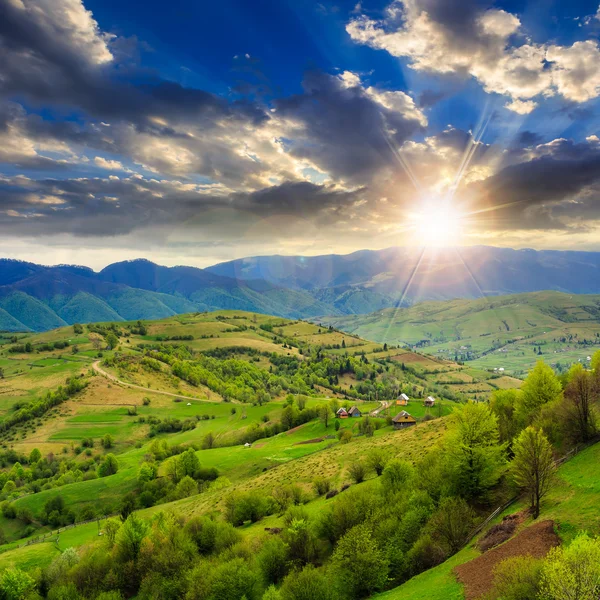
214	437
506	332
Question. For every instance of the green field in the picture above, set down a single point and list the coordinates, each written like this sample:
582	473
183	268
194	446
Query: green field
496	333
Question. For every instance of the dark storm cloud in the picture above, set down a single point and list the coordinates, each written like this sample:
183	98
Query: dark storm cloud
346	131
107	207
39	61
556	189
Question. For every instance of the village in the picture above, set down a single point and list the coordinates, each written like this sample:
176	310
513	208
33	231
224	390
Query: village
402	420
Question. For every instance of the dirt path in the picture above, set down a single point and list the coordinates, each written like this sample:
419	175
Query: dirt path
478	574
382	406
96	366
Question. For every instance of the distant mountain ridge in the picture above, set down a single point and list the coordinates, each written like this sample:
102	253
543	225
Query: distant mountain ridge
36	297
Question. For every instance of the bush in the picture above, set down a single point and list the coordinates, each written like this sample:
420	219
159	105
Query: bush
109	466
517	578
321	485
360	565
308	584
358	471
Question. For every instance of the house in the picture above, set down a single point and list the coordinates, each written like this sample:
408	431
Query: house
402	400
342	413
429	401
354	412
403	420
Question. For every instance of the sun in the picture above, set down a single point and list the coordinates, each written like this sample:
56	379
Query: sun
437	226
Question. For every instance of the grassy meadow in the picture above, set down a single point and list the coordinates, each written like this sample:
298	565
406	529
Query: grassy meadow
506	332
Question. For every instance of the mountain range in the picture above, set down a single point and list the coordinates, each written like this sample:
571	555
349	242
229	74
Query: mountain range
36	297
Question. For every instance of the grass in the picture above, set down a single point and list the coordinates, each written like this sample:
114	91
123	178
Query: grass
572	503
495	332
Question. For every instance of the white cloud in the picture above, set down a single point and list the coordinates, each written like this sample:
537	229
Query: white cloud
484	48
70	24
109	165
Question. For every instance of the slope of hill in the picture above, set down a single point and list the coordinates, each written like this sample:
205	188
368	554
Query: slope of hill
289	286
39	298
411	274
505	332
249	356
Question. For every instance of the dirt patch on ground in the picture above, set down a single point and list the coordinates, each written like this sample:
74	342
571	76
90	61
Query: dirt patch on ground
477	575
294	429
497	534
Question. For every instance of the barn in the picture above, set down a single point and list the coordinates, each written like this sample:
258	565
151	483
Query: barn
354	412
402	400
342	413
429	401
403	420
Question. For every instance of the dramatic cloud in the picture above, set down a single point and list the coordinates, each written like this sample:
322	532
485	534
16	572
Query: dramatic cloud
469	38
551	186
346	129
97	147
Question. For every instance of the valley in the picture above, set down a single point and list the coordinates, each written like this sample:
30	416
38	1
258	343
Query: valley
504	334
228	422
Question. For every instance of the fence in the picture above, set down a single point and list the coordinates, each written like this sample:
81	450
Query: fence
559	461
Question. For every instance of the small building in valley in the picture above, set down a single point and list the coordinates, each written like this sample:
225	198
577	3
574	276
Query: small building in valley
342	413
402	400
403	420
429	401
354	412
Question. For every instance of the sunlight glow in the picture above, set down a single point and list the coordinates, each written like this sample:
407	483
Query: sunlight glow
437	226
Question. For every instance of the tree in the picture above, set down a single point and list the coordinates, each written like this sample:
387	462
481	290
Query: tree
15	585
579	419
234	579
107	441
361	565
308	584
188	463
112	341
517	578
474	452
533	466
572	573
541	387
272	560
186	487
1	373
129	538
503	404
208	441
452	523
324	414
358	471
109	466
34	456
396	474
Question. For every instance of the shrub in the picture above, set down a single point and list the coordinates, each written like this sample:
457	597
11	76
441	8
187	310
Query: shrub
516	578
360	565
308	584
321	485
358	471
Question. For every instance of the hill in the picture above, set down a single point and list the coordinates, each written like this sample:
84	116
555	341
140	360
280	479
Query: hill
506	332
226	373
218	430
408	275
34	297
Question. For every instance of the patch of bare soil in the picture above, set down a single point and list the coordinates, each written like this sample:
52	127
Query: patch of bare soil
499	533
477	575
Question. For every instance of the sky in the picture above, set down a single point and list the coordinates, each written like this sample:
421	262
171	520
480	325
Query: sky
198	132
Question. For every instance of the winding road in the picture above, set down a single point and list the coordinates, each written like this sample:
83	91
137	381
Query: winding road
96	366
